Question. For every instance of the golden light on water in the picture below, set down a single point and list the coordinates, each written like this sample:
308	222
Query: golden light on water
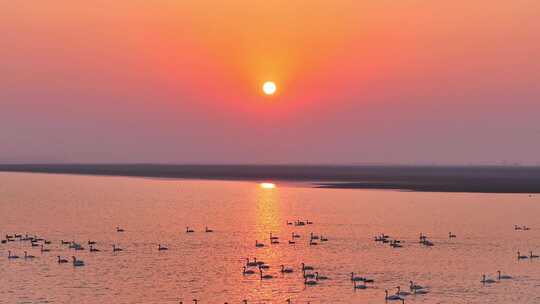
268	185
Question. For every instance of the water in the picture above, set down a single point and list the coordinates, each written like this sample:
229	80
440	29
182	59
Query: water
208	266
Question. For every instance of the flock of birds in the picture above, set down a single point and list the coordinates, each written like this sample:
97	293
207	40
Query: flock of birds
40	242
310	276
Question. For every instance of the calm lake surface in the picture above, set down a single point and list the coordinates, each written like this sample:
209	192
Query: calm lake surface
208	266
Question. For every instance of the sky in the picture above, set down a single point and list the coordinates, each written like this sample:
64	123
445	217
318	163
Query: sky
358	82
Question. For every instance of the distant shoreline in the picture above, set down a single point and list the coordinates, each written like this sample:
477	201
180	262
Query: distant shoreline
475	179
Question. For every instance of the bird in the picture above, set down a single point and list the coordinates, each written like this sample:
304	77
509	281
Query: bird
451	235
160	248
208	230
356	279
257	244
399	292
306	267
309	275
502	277
391	297
292	242
294	235
114	248
486	280
413	286
247	271
516	227
44	249
323	239
62	242
188	230
359	286
521	257
10	256
286	269
309	282
92	249
77	263
91	242
61	260
420	291
308	222
273	237
266	276
299	223
289	223
27	256
320	277
533	256
254	263
118	229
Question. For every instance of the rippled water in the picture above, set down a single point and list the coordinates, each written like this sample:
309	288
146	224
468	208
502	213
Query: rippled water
208	266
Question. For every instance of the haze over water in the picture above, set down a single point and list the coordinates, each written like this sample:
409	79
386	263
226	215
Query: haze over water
208	266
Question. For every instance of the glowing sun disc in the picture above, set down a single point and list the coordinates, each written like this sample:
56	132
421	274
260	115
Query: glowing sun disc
269	88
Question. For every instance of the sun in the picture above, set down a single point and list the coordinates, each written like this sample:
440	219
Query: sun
269	88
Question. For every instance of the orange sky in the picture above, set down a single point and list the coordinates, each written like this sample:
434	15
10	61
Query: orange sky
366	70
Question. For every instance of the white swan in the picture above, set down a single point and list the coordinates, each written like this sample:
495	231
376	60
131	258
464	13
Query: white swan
391	297
359	286
254	263
286	269
77	263
402	293
266	276
413	286
486	280
161	248
356	279
502	276
10	256
309	275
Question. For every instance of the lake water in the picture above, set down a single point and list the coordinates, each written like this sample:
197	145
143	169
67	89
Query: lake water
208	266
